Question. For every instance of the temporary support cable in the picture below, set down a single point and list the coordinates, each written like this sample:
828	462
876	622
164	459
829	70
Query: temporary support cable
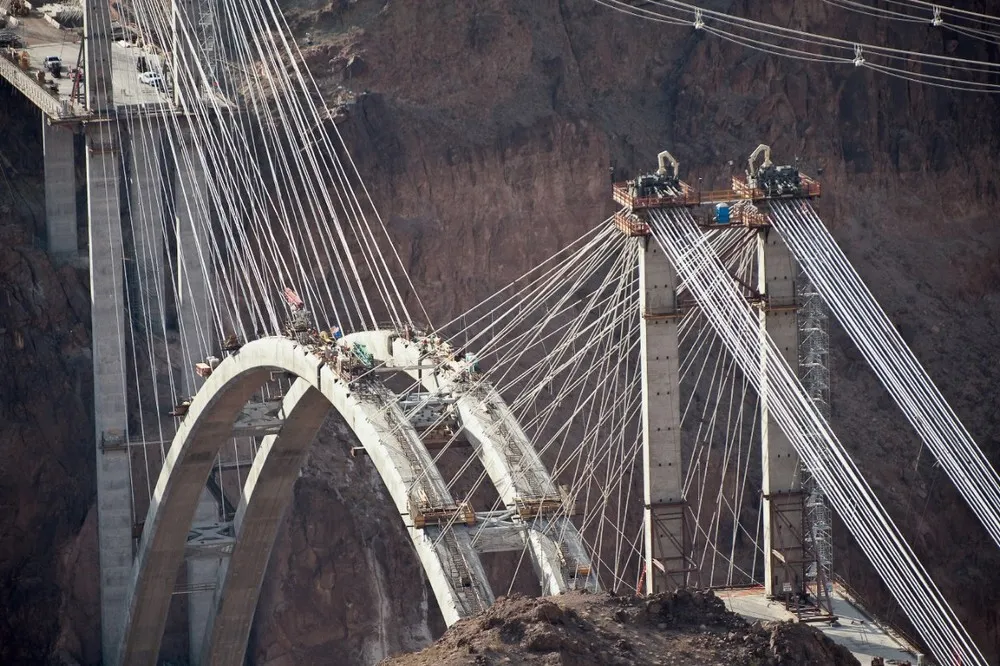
839	477
892	360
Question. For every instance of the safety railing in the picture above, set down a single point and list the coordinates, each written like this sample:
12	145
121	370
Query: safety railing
630	225
687	197
740	191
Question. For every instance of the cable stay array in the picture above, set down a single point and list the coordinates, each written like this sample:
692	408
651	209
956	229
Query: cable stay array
243	204
241	188
561	345
888	354
939	70
825	457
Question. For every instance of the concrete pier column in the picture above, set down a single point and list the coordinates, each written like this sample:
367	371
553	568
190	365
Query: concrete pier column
114	506
782	490
98	83
148	220
664	523
60	190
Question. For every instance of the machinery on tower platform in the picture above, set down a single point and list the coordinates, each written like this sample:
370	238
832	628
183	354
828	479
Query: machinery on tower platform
661	183
739	206
769	181
660	189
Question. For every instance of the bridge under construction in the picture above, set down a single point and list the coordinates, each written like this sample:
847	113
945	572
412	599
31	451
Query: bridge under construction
645	410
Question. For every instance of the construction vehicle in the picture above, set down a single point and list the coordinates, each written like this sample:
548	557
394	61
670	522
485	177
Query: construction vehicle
53	65
9	38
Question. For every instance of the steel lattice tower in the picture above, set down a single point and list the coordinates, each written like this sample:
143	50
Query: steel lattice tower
814	371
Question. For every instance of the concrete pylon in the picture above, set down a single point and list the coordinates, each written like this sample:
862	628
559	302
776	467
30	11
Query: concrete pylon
98	83
664	522
60	190
781	483
114	506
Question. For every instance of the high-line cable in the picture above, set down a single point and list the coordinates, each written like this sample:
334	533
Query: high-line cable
980	76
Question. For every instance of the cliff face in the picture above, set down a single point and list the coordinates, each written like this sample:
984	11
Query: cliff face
48	549
485	139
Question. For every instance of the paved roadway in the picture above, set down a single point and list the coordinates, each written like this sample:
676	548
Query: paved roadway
128	90
854	630
43	40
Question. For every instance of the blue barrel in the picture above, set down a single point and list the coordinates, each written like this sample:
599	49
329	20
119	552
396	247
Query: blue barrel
722	213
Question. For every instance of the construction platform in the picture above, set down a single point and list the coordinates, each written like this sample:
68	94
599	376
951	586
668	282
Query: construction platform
55	98
40	40
740	203
682	195
853	629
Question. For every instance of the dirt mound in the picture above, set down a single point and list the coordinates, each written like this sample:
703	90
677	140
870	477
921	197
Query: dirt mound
679	629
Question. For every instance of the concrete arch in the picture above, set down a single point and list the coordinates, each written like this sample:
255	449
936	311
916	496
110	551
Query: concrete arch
558	553
452	565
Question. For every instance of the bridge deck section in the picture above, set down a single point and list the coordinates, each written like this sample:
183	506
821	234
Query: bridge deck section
54	98
854	629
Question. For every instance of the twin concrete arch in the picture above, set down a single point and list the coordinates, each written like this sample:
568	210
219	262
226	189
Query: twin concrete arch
450	557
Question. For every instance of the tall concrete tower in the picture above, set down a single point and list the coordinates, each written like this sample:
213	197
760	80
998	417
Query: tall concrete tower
667	557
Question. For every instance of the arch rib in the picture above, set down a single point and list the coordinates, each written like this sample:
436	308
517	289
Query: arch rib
558	554
451	563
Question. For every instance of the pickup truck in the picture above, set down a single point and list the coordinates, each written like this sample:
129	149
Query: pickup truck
54	65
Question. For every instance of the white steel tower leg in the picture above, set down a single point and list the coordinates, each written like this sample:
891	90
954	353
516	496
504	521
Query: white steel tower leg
783	506
664	523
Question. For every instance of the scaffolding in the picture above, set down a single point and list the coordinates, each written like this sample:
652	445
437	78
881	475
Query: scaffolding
814	371
208	36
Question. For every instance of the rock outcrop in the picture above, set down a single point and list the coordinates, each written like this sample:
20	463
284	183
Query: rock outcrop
682	629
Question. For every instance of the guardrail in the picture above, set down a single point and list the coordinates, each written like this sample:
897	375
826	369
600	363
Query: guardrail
29	86
687	197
